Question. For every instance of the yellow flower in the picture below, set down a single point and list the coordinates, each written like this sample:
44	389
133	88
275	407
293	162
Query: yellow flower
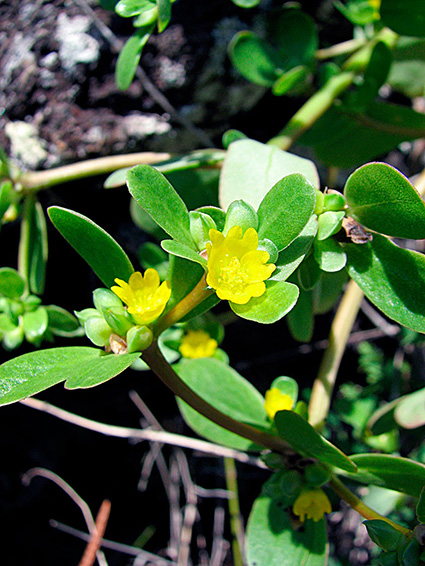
312	502
197	344
276	401
236	268
143	295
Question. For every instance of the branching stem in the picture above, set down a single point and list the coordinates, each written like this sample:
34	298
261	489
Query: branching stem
358	505
156	361
37	180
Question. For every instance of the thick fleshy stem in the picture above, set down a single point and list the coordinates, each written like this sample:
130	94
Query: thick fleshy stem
158	364
358	505
182	308
36	180
324	383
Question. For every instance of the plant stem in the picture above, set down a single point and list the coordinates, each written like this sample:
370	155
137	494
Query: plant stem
187	304
312	110
339	334
156	361
344	48
365	511
234	511
37	180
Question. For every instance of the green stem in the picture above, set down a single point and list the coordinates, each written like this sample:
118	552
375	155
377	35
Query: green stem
312	110
234	511
156	361
187	304
340	331
358	505
37	180
344	48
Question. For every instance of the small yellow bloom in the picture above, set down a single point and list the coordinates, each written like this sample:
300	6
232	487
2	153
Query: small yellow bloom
197	344
144	296
236	268
276	401
312	502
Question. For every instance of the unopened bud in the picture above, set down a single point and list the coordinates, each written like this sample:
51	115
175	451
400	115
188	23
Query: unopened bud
242	214
138	339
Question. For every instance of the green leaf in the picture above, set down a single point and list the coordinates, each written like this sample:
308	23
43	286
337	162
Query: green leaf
62	322
293	82
227	391
34	372
129	8
405	17
33	247
231	136
301	319
305	440
327	290
410	411
181	250
420	508
35	324
7	196
391	472
251	168
382	199
272	540
392	278
291	257
286	209
104	255
11	283
329	255
374	77
286	385
157	196
164	14
295	35
358	12
129	56
346	138
383	534
329	223
407	73
279	298
246	3
254	58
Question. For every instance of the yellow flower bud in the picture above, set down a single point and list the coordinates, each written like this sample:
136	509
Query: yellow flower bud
276	401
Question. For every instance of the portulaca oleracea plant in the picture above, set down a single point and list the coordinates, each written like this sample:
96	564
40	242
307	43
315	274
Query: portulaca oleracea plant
245	255
271	243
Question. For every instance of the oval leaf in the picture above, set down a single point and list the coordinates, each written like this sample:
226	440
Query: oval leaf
34	372
104	255
304	439
250	170
254	58
392	278
410	411
11	283
391	472
129	57
180	250
227	391
382	199
272	540
286	209
279	298
405	17
159	199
